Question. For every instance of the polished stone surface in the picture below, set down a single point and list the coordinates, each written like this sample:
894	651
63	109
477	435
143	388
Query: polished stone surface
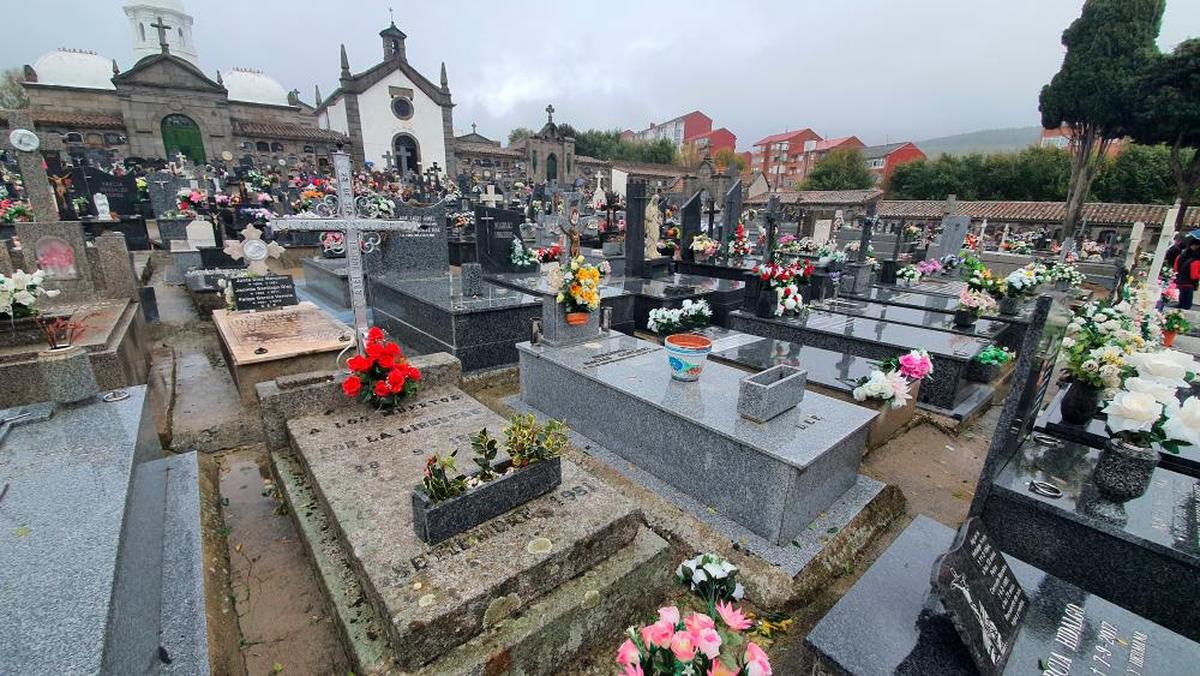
882	625
1077	537
445	293
932	319
363	465
327	279
775	477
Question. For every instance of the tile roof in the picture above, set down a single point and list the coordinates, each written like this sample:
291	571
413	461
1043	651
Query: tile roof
877	152
784	136
648	169
1094	213
283	130
831	143
75	120
830	197
584	159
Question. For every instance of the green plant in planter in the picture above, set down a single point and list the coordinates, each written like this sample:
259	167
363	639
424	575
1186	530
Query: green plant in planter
437	482
486	448
1174	322
994	355
528	442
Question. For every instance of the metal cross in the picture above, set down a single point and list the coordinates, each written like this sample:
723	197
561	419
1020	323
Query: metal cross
488	243
353	226
550	113
162	34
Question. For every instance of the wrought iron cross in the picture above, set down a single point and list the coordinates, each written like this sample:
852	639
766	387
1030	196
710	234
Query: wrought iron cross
350	223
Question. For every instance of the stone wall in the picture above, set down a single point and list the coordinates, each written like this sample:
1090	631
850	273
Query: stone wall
307	393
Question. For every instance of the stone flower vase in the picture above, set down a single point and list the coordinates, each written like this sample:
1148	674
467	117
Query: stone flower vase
67	375
767	301
964	318
1124	469
1079	403
1009	305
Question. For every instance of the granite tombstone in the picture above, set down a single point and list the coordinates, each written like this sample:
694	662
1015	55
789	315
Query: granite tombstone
496	230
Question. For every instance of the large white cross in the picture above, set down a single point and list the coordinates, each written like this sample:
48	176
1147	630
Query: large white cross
353	226
490	197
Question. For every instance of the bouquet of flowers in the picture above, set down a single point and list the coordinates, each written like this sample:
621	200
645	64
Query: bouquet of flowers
915	365
951	262
19	293
912	231
971	242
578	286
977	275
1146	412
15	211
853	247
712	578
978	302
1091	249
1065	272
190	200
256	181
1023	281
676	645
1171	293
522	257
462	219
1174	322
739	245
1102	367
705	246
785	280
909	273
381	376
929	267
1095	324
548	254
994	355
885	385
691	316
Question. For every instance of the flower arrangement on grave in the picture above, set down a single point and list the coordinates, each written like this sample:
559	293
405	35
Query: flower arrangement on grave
1091	250
789	244
976	302
19	294
15	211
256	181
1021	282
1170	293
785	281
853	247
912	231
739	245
704	246
909	273
80	205
189	201
994	355
1066	273
1140	303
460	220
525	440
549	254
675	645
929	267
978	276
690	316
1174	324
951	262
522	256
578	285
143	187
1146	411
712	578
971	242
888	386
914	365
62	332
381	375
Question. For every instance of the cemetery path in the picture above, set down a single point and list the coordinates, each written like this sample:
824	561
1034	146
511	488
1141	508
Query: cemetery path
284	622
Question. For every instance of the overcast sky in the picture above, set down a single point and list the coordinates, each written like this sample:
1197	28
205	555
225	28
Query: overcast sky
884	70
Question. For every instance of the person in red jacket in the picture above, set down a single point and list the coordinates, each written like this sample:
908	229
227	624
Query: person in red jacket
1187	272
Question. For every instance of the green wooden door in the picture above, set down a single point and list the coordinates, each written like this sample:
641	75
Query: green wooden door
181	135
552	167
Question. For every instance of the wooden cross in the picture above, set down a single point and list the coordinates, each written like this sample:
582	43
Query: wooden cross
491	197
32	166
354	227
162	34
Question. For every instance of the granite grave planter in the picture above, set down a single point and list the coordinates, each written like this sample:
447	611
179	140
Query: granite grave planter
67	375
770	393
1123	470
1009	306
438	521
964	318
767	301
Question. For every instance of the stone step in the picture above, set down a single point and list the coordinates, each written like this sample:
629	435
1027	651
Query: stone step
361	466
546	634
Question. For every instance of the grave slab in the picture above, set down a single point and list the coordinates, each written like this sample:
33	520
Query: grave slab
261	346
773	478
326	278
1073	537
883	625
363	465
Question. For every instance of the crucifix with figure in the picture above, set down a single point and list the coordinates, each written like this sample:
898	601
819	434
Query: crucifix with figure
353	227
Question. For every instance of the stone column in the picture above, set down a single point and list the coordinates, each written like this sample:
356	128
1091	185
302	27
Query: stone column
116	266
635	230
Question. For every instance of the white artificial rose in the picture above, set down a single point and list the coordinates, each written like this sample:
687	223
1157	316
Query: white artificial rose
1164	369
52	293
20	280
1184	359
1132	412
1183	422
1164	394
25	298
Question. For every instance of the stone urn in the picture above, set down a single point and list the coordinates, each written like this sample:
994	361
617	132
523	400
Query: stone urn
964	318
1124	470
1079	403
1009	305
67	375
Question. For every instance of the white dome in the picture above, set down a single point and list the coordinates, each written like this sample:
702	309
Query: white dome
74	68
253	86
172	5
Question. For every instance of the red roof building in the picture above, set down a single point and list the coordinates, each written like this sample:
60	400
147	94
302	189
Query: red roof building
883	160
677	130
779	156
1061	138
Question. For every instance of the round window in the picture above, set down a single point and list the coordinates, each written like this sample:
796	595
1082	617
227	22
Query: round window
402	108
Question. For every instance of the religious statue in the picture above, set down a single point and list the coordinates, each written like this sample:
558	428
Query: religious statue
653	226
599	198
60	184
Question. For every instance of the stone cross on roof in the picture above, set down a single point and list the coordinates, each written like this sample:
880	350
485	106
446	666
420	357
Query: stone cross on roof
349	222
550	113
162	28
491	197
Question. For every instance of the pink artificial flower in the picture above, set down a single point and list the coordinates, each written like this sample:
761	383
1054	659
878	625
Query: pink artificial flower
658	634
718	669
708	641
756	661
733	618
628	653
915	365
683	646
697	621
669	614
634	670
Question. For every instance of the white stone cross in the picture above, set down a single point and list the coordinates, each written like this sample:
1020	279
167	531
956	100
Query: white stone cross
348	222
490	197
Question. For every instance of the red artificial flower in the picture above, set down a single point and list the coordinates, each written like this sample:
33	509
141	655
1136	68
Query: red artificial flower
381	389
352	386
387	361
413	374
395	380
374	349
360	363
374	333
392	349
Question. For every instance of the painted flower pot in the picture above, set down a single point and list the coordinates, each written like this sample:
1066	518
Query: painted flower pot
1080	403
686	353
964	318
577	318
1123	471
770	393
437	521
1169	338
1009	305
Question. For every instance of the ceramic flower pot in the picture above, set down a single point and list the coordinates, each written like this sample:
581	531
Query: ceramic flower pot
1123	471
964	318
1079	403
686	353
1009	305
1168	338
67	375
577	318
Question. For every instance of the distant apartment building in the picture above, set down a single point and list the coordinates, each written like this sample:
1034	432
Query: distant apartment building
1061	138
695	129
785	159
883	160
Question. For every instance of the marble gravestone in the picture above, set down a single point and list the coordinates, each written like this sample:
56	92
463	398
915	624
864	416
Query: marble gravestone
495	232
164	188
418	250
950	240
263	292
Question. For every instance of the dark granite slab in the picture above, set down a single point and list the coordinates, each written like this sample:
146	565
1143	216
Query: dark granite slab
1095	434
932	319
327	278
883	626
1127	559
834	370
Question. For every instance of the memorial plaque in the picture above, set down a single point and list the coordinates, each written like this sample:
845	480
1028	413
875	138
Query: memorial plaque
415	245
495	230
981	595
121	191
263	293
